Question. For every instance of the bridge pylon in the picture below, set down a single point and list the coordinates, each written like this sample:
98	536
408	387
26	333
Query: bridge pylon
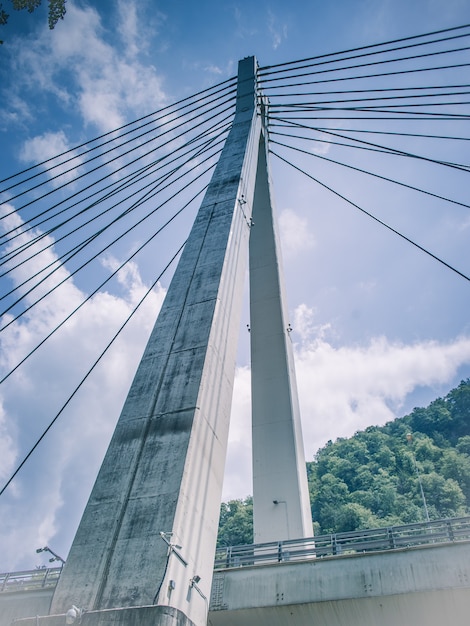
145	546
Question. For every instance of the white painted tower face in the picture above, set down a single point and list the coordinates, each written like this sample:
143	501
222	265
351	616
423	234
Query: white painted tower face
148	534
281	504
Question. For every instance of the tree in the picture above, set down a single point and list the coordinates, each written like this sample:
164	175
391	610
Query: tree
444	496
236	523
456	465
329	494
56	10
458	402
435	418
353	516
463	444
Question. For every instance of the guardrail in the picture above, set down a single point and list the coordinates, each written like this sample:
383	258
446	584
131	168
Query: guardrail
357	542
30	580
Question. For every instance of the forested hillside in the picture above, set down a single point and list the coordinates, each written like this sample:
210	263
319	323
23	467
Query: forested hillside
373	478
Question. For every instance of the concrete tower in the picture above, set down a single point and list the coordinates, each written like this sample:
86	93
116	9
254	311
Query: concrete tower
281	504
144	550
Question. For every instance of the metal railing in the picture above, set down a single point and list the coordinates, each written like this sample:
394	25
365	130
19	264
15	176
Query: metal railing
30	580
357	542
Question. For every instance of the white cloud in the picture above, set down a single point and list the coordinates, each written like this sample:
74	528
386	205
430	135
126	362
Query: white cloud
110	84
342	389
8	450
213	69
18	111
278	31
45	501
295	236
243	26
128	276
129	26
30	265
319	146
140	25
238	471
346	389
465	224
47	146
304	326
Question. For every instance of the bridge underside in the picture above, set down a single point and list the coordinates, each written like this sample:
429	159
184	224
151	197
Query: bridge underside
432	608
411	587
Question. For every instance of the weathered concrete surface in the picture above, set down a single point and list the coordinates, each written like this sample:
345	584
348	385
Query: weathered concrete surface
449	607
164	468
24	604
135	616
428	586
436	608
281	503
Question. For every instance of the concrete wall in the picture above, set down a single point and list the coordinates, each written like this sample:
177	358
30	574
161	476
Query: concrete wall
437	608
24	604
128	616
410	587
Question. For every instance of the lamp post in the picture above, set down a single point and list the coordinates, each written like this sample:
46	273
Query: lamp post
409	438
55	556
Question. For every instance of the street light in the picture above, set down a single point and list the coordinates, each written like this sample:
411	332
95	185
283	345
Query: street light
409	438
55	557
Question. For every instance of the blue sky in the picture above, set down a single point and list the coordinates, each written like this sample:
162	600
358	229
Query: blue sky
378	327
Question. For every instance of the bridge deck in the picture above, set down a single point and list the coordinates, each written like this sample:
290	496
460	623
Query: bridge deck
410	575
413	586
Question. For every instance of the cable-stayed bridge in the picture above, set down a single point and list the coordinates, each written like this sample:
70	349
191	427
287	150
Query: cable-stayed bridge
146	542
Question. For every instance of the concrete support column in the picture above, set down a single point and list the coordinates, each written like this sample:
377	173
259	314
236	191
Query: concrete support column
281	505
148	534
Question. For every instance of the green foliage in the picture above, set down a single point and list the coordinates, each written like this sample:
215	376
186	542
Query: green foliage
380	469
236	523
3	16
458	401
463	444
354	515
436	418
29	5
373	479
56	10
